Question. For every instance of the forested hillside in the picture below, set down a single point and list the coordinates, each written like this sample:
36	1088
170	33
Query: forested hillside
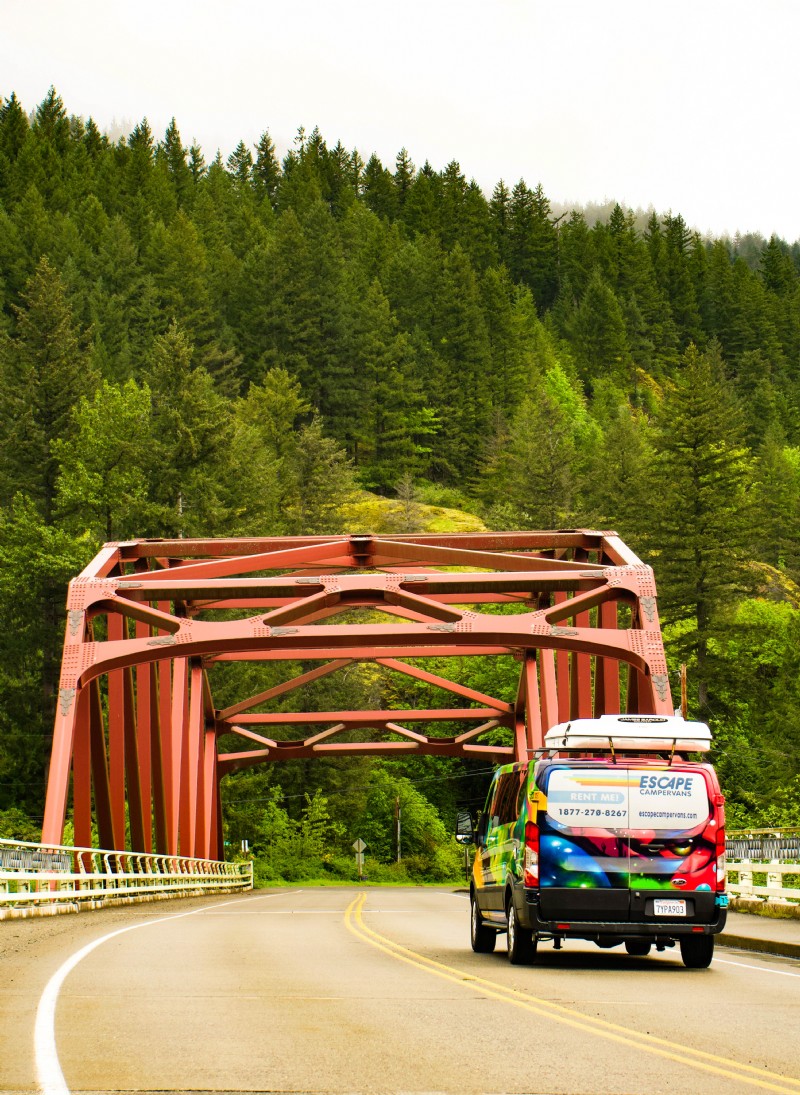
227	348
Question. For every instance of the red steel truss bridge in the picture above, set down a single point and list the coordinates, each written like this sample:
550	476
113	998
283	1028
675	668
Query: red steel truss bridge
137	735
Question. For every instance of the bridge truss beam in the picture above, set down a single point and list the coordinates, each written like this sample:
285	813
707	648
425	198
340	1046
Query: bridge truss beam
139	746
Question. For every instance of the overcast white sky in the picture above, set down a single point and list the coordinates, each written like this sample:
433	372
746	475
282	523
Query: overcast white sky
686	105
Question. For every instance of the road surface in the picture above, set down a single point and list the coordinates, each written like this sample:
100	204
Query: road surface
373	990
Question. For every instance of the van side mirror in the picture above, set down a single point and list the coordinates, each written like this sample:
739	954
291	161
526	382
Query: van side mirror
464	831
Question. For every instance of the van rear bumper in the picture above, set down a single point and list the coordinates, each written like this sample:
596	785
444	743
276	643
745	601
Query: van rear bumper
706	917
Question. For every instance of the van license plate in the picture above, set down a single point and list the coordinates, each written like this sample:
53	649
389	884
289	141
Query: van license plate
674	907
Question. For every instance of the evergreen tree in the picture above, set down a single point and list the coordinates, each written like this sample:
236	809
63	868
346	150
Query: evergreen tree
403	176
675	276
104	477
194	427
378	188
505	322
533	244
319	482
395	426
197	163
14	127
777	269
421	211
500	209
240	166
701	523
180	173
777	503
94	141
44	372
601	337
533	480
462	387
618	472
266	169
177	262
37	560
576	257
757	393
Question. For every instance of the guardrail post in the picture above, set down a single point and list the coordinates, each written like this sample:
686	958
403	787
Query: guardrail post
775	882
745	872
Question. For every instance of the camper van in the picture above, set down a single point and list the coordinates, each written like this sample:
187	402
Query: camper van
609	834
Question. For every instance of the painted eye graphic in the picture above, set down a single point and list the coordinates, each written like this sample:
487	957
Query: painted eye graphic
681	849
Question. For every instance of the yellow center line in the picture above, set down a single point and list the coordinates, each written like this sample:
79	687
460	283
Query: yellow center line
648	1043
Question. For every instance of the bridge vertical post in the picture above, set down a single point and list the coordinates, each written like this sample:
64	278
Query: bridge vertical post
580	706
178	717
81	773
562	670
210	788
606	684
192	762
549	691
165	671
116	730
158	747
533	713
136	813
144	742
100	777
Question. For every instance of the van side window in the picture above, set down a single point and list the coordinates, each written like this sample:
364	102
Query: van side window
504	806
492	801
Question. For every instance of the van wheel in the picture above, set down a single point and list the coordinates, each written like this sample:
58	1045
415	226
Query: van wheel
637	948
521	941
482	938
697	951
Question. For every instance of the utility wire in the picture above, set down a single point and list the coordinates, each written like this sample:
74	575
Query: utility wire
352	787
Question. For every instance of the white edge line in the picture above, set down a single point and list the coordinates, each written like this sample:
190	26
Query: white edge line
760	969
48	1068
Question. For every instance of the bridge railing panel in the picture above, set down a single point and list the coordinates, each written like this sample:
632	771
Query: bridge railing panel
765	864
36	876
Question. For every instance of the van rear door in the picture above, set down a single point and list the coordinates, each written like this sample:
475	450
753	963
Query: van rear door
610	835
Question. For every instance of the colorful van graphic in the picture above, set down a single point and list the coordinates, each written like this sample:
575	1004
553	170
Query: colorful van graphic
619	848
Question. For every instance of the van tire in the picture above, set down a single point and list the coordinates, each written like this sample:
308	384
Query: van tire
483	939
638	948
521	941
697	951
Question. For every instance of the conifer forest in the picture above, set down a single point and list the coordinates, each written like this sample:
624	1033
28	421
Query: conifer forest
323	343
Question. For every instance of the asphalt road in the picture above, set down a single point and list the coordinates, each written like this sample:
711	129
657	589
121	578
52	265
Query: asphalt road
345	990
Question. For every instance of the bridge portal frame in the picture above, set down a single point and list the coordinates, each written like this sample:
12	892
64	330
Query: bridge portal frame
136	733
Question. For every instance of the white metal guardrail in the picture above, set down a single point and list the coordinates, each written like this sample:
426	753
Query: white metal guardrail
41	877
765	864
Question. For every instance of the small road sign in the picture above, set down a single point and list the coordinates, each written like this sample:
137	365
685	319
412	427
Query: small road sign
359	846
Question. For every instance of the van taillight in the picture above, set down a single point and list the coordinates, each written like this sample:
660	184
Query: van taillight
721	860
530	873
719	802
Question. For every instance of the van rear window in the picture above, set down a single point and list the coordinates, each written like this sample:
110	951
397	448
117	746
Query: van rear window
665	800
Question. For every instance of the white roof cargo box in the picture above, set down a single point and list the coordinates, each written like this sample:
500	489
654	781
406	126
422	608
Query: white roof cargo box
632	733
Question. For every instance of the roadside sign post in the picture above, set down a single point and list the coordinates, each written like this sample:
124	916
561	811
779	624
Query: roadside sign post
359	847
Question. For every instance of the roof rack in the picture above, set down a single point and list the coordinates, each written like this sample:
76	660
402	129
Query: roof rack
630	733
